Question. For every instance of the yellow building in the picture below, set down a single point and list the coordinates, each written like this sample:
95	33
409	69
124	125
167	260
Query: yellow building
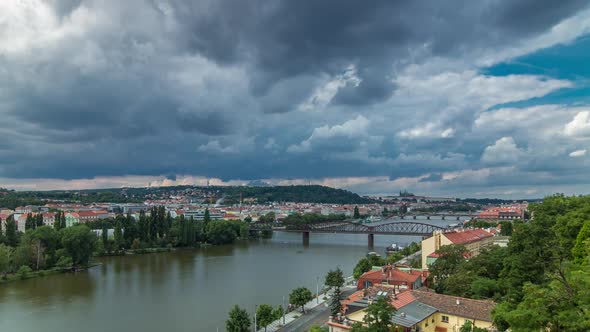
422	311
474	241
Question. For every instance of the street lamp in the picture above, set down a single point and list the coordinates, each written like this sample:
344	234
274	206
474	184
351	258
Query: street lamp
255	308
317	289
284	310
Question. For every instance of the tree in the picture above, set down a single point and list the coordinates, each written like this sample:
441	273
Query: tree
335	278
238	321
105	237
316	328
379	314
207	216
335	305
506	228
5	258
267	218
11	232
300	296
222	232
79	242
119	241
356	214
365	264
469	327
450	259
582	244
264	316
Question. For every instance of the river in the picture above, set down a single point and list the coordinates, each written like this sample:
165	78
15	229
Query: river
186	290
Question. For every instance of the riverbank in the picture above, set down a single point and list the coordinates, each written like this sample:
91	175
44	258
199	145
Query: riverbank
25	274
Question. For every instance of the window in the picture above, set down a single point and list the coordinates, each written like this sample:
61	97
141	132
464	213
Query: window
445	319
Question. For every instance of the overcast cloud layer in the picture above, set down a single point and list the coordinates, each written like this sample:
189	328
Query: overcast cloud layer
373	97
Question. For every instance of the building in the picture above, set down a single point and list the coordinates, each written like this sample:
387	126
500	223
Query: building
48	218
399	277
508	212
474	241
200	215
72	218
417	310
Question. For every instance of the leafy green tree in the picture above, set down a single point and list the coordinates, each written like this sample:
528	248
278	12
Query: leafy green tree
582	245
207	216
317	328
365	264
356	214
506	228
222	232
11	232
469	327
379	314
119	240
334	278
79	242
238	321
300	296
105	237
264	316
248	219
278	312
451	257
5	259
267	218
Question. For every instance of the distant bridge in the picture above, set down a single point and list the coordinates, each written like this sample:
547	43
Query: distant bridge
427	216
347	227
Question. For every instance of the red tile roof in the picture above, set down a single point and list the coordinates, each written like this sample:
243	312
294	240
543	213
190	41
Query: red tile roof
467	236
402	299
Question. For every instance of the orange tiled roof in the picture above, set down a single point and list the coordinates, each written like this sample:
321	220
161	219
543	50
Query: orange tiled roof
402	299
467	236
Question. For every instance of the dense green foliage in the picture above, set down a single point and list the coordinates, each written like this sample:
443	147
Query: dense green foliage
299	297
44	248
334	278
12	199
297	219
238	321
541	280
304	194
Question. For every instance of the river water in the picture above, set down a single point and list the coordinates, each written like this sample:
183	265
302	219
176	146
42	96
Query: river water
187	290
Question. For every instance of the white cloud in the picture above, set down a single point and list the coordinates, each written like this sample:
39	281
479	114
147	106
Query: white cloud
429	130
578	153
355	128
579	126
503	151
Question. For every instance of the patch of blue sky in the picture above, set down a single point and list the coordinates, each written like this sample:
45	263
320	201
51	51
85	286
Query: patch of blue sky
569	61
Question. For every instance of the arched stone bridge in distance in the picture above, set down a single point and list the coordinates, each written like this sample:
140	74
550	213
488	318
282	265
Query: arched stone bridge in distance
348	227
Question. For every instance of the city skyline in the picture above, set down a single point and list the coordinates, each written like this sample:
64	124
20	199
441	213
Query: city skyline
486	99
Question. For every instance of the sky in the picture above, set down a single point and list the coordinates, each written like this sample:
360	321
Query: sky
482	98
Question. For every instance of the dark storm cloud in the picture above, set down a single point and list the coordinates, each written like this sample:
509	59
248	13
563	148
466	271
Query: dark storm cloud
137	87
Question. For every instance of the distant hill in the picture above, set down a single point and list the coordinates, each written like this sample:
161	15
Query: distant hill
230	195
302	194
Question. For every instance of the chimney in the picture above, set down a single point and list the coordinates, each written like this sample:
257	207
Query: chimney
403	314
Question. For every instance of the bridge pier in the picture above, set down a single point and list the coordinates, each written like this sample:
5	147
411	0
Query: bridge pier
371	239
305	236
428	217
443	217
414	217
401	217
458	218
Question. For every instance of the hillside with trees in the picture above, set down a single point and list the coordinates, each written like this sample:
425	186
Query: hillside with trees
541	280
